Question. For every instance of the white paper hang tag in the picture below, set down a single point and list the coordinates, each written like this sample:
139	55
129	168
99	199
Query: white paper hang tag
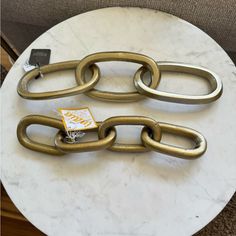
27	67
77	119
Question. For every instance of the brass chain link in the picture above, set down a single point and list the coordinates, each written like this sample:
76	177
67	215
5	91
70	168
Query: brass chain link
129	120
23	85
142	90
210	76
150	137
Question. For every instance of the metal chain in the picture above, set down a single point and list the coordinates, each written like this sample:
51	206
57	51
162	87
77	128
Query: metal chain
148	64
150	137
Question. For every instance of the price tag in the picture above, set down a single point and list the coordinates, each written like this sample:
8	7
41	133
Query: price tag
77	119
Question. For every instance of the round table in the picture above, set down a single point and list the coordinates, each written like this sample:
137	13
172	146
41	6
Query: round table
107	193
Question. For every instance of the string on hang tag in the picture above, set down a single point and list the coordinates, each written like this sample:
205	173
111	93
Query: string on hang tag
71	136
76	120
40	75
27	66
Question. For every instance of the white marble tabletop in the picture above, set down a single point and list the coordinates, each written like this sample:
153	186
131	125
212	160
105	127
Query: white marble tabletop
107	193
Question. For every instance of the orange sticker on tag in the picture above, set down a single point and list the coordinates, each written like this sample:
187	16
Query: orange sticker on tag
77	119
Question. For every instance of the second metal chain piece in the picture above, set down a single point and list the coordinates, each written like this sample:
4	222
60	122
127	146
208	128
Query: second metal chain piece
150	137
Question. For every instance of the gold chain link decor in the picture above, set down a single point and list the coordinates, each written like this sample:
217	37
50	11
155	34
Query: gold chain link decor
151	134
150	137
142	90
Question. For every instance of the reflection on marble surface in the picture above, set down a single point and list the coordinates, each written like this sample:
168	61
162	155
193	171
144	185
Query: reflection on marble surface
106	193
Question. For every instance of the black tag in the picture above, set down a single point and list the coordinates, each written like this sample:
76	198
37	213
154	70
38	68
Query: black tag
39	57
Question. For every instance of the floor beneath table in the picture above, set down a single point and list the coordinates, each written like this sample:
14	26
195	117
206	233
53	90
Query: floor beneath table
13	223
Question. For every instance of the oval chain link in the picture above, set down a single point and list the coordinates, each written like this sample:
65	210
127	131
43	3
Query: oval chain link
193	135
129	120
33	145
210	76
23	85
146	61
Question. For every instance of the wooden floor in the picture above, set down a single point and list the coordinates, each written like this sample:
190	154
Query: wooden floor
5	60
13	223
